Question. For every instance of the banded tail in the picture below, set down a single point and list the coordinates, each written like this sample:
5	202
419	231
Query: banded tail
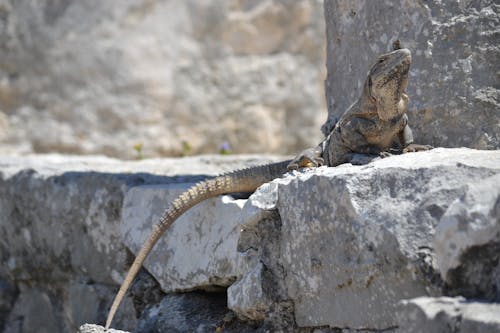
245	180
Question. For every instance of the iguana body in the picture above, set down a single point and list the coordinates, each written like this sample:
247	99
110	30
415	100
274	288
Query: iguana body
372	124
369	126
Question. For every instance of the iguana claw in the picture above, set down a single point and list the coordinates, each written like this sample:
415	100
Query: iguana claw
413	147
309	158
385	154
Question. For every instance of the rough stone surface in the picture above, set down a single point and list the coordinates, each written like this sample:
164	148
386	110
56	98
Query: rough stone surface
356	239
198	251
192	312
326	250
448	315
62	255
453	85
467	242
91	328
177	77
258	304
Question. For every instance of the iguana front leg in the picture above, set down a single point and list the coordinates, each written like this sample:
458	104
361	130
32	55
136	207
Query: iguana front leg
406	140
308	158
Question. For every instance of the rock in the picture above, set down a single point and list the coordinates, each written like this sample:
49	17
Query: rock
467	242
192	312
453	84
87	302
321	250
247	297
62	250
34	311
8	295
91	328
159	78
198	251
447	315
355	240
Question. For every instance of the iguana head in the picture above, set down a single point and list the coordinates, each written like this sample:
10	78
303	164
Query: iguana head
387	81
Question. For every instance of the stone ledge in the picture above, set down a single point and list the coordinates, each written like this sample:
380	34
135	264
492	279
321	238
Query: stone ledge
448	315
60	218
356	240
321	246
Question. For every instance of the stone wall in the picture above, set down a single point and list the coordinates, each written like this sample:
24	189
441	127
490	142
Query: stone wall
62	253
173	77
453	83
308	252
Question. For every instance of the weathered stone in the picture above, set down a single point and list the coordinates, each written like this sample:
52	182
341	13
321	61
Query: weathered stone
170	78
453	85
198	251
467	242
8	295
34	311
357	239
448	315
191	312
61	247
247	296
91	328
324	248
88	302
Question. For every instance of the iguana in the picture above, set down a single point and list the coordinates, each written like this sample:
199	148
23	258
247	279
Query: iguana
369	127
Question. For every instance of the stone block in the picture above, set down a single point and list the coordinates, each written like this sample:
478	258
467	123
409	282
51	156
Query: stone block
467	242
355	240
199	250
448	315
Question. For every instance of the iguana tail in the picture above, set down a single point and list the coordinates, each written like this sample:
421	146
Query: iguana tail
245	180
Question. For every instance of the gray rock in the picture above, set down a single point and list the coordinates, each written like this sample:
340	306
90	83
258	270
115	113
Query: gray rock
192	312
323	248
8	295
453	85
34	311
247	297
355	240
61	248
198	251
448	315
467	242
92	328
169	78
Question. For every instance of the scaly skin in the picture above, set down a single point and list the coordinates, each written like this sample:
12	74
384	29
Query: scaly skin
368	127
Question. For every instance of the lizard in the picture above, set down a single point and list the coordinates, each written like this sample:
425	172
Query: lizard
367	128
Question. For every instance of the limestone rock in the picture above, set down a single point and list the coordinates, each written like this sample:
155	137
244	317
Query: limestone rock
34	312
198	251
357	239
448	315
247	297
62	255
168	78
467	242
192	312
92	328
320	250
453	85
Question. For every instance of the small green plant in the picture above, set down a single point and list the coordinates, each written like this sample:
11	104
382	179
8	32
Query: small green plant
186	148
138	150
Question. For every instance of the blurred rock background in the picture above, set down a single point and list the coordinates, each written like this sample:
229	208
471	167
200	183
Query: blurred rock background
161	78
